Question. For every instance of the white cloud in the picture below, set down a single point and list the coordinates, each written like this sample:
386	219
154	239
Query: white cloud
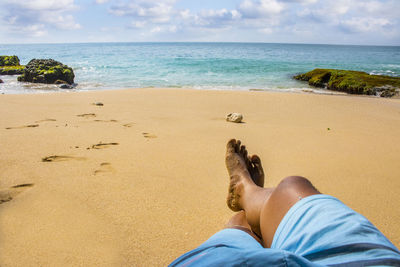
156	29
34	18
163	29
216	18
371	6
260	8
388	9
352	17
185	14
66	22
37	30
138	24
46	4
155	11
262	17
327	12
266	31
304	2
249	20
355	25
173	28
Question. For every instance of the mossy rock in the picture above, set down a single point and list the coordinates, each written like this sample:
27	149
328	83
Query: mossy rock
352	82
12	70
46	71
9	61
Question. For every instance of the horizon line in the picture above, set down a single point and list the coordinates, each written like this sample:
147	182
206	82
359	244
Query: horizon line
195	42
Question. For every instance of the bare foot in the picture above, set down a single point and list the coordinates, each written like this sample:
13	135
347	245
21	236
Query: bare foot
235	160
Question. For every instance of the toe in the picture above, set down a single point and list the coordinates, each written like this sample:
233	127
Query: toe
242	150
243	153
231	146
256	160
249	164
237	148
257	163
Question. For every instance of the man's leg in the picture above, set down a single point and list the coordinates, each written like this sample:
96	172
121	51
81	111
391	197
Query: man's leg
239	221
264	207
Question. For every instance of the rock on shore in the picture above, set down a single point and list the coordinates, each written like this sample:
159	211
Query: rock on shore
9	65
47	71
352	82
9	61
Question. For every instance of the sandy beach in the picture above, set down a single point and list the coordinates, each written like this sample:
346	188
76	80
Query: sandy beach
141	179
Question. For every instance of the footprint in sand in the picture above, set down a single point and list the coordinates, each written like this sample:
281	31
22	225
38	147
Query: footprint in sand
45	120
105	120
98	104
57	158
102	145
129	124
9	193
104	167
87	115
149	135
24	126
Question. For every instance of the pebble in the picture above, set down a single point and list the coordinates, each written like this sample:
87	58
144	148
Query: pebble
66	86
234	117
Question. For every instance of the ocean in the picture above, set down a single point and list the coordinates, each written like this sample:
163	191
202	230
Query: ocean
213	66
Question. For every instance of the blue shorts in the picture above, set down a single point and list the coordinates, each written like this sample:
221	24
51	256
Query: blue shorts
318	230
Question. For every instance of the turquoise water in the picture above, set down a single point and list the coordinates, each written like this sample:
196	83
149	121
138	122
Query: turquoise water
227	66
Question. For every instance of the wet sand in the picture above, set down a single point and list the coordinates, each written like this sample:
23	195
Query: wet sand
141	179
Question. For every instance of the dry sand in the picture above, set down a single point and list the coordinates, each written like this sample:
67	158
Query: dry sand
141	180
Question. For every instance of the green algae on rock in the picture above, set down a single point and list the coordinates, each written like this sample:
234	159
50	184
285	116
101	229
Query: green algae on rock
9	61
9	65
47	71
352	82
11	70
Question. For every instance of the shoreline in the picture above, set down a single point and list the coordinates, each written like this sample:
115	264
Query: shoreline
131	173
51	88
306	90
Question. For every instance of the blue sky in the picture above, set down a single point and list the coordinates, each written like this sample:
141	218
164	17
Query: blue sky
360	22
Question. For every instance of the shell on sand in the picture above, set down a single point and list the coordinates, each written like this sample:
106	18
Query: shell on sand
234	117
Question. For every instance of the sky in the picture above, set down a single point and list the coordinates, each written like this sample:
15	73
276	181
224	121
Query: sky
357	22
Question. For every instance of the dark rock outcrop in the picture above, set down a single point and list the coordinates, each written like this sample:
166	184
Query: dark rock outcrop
9	61
66	86
1	81
9	65
47	71
352	82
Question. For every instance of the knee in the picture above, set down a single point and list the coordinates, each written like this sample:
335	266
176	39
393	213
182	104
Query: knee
290	180
299	184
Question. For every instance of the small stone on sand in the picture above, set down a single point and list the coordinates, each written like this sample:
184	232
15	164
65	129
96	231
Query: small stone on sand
234	117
